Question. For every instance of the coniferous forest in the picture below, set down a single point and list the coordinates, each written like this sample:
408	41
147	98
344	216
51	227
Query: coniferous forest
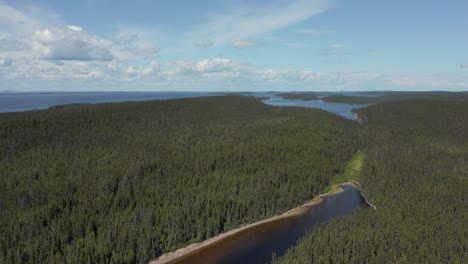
124	183
416	173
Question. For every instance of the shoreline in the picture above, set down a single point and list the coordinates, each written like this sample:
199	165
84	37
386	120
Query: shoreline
358	119
182	252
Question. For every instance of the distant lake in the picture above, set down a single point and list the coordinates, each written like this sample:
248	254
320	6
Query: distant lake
34	101
344	110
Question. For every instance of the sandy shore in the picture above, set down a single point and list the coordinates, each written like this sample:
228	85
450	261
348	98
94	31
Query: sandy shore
168	257
360	121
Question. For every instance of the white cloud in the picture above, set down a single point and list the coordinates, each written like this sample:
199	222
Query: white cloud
213	73
242	44
65	43
13	19
88	75
134	44
141	50
250	21
136	72
306	31
15	29
37	54
310	75
127	38
275	74
425	81
75	28
16	24
211	66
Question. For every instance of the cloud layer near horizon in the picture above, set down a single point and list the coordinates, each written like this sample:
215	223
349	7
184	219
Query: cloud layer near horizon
43	52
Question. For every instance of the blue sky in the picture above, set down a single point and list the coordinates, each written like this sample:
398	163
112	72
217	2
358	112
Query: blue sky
233	45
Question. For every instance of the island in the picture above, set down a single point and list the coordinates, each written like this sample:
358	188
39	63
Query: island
298	96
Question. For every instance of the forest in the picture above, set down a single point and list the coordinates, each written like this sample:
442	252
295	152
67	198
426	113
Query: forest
126	182
391	96
416	172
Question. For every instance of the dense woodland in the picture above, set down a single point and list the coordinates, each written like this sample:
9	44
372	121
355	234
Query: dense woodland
382	97
124	183
416	173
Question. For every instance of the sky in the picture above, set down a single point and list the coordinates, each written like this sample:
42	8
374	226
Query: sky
233	45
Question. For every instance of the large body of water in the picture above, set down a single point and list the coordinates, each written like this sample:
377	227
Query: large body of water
257	244
35	101
344	110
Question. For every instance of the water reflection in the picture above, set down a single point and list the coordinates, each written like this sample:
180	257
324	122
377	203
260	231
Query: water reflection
256	245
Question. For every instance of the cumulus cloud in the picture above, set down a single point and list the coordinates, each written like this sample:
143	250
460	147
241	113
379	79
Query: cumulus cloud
153	68
214	65
275	74
242	44
71	43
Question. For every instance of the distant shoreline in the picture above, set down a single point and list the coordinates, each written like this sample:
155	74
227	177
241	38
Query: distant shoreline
192	248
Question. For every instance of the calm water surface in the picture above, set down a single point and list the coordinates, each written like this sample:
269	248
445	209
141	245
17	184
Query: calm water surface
35	101
344	110
256	245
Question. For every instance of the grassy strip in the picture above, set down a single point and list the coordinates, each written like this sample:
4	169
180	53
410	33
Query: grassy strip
351	173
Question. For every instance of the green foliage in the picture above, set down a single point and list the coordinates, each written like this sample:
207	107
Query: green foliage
123	183
416	172
382	97
352	173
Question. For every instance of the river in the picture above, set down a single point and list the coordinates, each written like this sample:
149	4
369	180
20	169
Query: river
256	245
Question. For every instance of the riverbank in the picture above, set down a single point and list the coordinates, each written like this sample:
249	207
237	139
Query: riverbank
350	176
192	248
